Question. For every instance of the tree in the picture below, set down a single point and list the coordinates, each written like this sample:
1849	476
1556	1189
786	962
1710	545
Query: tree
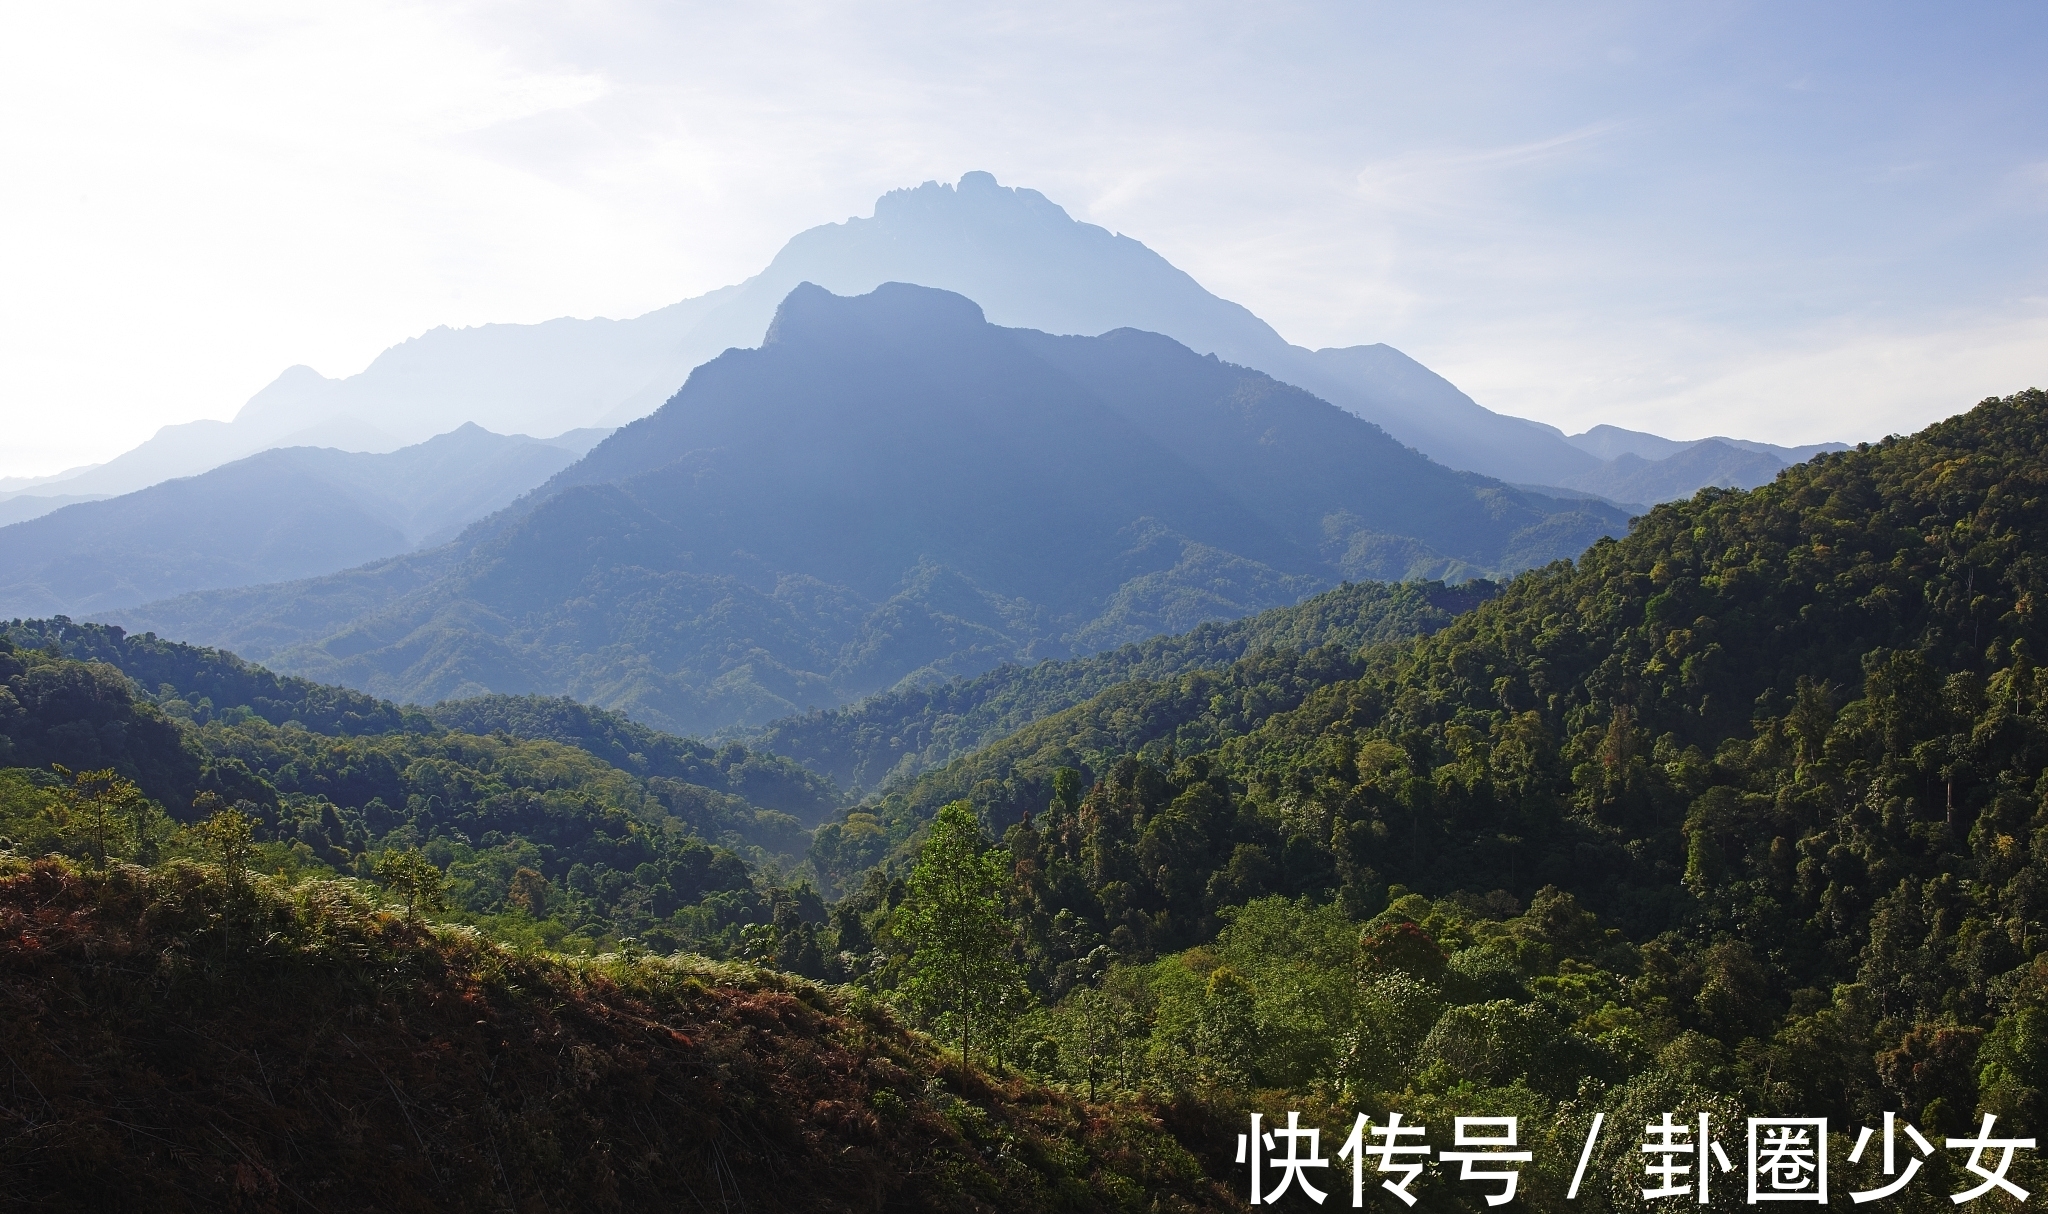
110	811
529	892
1095	1031
409	874
1227	1030
230	835
961	975
759	942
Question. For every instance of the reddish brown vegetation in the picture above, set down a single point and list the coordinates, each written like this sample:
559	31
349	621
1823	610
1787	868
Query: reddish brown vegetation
170	1045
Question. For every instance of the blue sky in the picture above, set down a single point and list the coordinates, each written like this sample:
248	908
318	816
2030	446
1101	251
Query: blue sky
1792	222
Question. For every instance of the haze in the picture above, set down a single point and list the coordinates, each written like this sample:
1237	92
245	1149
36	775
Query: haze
1788	224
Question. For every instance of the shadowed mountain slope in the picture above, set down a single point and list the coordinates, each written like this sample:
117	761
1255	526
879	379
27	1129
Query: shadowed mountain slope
902	732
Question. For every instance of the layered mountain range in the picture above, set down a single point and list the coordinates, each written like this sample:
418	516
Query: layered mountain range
892	488
1015	252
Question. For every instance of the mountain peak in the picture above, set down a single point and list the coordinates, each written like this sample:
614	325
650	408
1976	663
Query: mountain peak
889	314
972	205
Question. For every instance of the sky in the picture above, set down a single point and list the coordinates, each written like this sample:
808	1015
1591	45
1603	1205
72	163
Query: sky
1789	222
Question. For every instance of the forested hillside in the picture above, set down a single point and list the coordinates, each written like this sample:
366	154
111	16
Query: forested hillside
903	732
1742	811
540	840
757	774
209	681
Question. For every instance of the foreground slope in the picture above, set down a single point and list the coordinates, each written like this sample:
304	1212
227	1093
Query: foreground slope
179	1043
891	488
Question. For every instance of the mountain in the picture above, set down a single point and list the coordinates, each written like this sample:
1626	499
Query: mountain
1645	468
892	488
1030	265
286	513
902	732
190	448
10	485
20	507
1738	812
560	375
1631	478
1019	255
1607	442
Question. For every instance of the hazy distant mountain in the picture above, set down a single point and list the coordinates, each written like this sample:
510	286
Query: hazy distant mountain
189	448
287	513
20	507
1608	442
1631	478
12	485
1013	251
1647	468
507	379
892	488
1030	265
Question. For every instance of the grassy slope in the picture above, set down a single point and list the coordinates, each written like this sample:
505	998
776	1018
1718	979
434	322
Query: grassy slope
176	1046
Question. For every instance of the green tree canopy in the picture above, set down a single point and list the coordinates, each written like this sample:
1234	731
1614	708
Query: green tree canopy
963	975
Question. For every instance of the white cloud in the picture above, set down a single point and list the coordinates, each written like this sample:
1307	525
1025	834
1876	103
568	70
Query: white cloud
1431	181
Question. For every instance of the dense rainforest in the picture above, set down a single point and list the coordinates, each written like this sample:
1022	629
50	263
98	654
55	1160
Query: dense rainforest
1739	815
1742	811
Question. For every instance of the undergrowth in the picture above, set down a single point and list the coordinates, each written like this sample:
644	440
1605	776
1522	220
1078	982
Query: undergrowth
177	1041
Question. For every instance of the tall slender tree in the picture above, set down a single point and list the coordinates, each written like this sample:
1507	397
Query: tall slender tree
963	976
